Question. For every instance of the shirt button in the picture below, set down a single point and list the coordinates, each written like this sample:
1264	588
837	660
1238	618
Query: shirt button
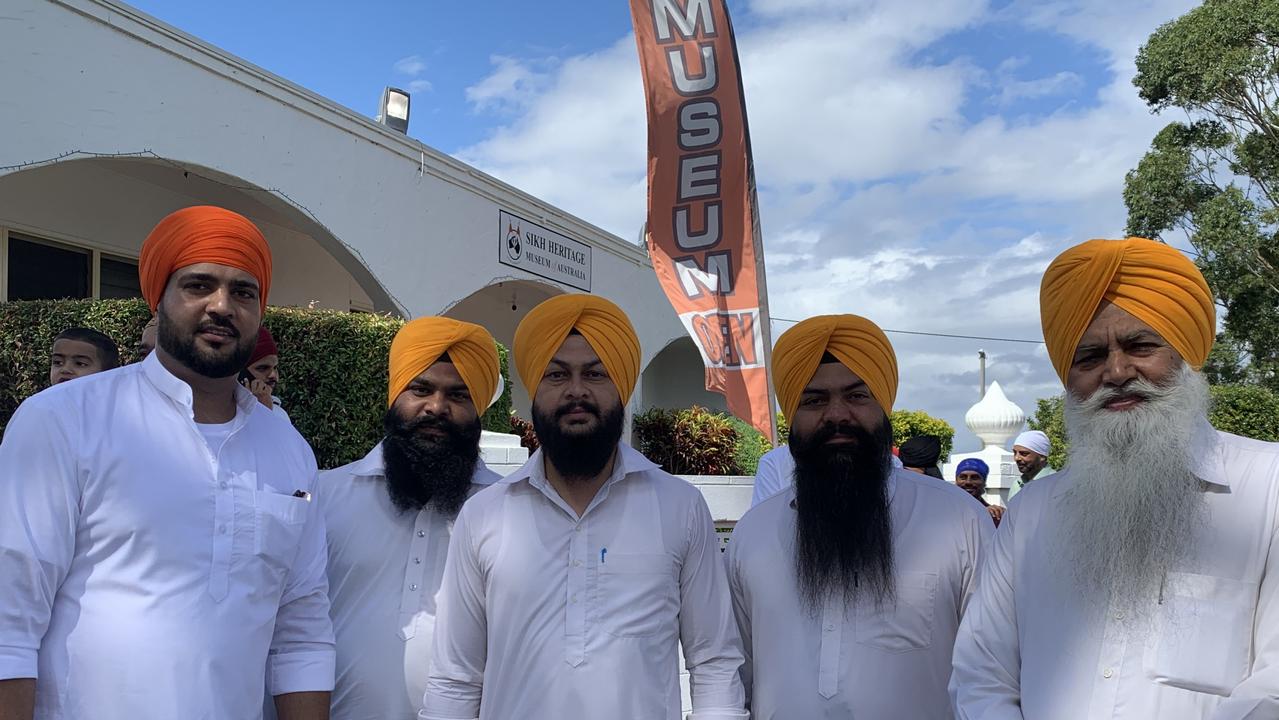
577	528
577	563
223	484
830	627
573	599
1119	616
421	533
1108	673
222	529
413	586
417	561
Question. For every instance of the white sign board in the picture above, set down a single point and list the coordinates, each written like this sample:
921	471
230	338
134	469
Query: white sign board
530	247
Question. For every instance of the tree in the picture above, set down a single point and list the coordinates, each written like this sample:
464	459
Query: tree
1049	420
1215	175
910	423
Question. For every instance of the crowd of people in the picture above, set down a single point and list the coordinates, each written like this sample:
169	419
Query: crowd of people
169	549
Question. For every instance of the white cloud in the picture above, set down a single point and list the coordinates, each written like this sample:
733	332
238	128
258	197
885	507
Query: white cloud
878	195
417	86
412	66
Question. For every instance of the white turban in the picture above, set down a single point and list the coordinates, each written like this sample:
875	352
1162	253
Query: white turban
1034	441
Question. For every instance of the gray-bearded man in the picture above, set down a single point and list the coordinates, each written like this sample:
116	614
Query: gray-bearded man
1140	582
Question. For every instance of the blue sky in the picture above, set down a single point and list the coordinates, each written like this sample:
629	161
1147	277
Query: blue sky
920	162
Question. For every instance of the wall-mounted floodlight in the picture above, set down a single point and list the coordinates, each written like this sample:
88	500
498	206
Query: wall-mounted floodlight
394	110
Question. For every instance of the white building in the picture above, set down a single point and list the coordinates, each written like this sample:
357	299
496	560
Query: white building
112	119
996	420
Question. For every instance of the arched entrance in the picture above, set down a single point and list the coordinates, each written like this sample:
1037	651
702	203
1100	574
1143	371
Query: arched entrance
103	208
676	378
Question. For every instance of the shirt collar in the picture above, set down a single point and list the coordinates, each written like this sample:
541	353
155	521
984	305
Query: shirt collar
179	392
374	466
1210	456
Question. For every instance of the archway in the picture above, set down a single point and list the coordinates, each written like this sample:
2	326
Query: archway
675	378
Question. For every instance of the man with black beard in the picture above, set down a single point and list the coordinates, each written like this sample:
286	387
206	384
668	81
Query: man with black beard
849	587
389	516
159	553
1142	581
570	584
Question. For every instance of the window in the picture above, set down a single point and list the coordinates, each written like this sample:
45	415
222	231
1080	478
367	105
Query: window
118	278
43	271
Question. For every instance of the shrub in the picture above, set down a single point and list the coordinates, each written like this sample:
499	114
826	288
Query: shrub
749	448
528	437
1048	420
910	423
694	441
333	365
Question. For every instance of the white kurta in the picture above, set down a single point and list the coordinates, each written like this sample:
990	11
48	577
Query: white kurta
147	576
547	616
863	661
385	567
775	473
1032	648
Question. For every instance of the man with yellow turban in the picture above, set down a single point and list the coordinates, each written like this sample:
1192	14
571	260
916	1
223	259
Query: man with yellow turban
1142	581
570	585
159	551
389	516
848	584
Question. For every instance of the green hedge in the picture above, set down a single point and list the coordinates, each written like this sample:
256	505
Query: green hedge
692	441
1251	411
333	371
911	423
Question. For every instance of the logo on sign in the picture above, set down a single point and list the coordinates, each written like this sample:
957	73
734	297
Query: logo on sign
514	248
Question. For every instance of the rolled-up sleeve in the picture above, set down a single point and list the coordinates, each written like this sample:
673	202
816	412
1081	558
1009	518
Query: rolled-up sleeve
707	627
456	680
39	513
302	657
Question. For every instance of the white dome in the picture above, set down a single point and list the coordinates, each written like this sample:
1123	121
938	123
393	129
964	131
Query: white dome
995	419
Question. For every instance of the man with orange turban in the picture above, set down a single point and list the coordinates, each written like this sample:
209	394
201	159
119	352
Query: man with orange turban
570	585
1142	580
159	551
849	584
389	516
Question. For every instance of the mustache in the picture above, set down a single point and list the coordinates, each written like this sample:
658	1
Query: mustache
1137	387
831	430
586	405
221	324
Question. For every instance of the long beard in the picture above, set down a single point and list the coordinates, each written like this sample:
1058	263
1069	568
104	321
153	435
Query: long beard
579	456
1136	504
181	346
422	471
843	530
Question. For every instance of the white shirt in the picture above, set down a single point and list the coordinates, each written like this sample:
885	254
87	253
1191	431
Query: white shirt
545	616
385	567
861	661
1030	647
145	576
775	473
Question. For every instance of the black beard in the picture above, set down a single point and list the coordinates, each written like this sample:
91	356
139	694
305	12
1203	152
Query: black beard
578	456
182	347
421	470
843	530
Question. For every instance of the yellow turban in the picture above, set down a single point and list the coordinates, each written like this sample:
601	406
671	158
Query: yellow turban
1150	280
202	234
603	324
855	341
471	348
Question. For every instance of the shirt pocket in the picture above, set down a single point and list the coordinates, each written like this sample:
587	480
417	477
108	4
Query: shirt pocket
1203	636
277	528
904	623
636	595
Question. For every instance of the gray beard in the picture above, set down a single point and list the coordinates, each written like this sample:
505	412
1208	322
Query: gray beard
1136	505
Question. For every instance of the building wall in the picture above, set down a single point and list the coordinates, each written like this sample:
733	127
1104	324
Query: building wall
424	225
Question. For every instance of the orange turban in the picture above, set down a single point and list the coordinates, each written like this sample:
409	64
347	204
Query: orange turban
471	348
855	341
603	324
1150	280
202	234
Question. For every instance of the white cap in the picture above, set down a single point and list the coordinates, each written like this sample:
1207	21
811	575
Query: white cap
1034	441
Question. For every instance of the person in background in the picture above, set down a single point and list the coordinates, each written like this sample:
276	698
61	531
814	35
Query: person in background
78	352
389	516
1030	451
921	454
970	476
159	551
571	585
262	373
774	474
147	342
848	587
1141	581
